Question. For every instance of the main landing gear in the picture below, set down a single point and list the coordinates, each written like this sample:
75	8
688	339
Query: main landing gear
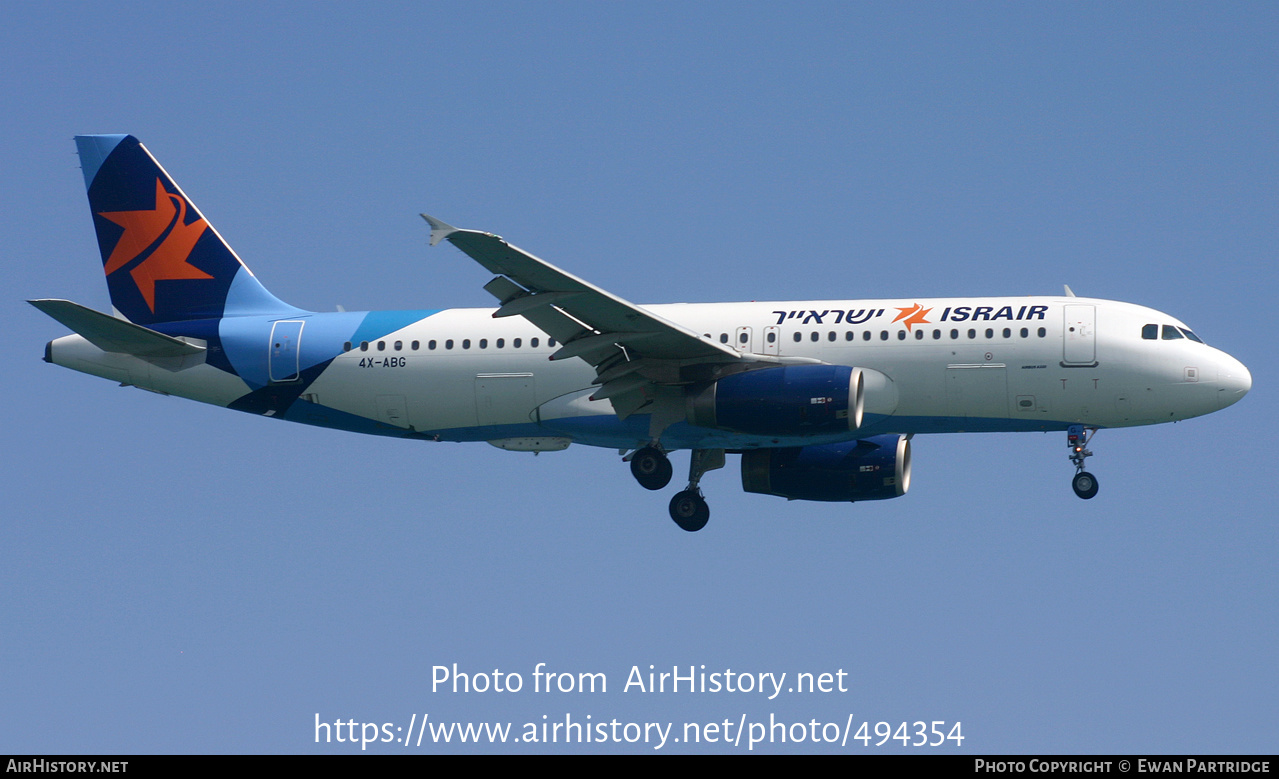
689	510
688	507
652	469
1077	438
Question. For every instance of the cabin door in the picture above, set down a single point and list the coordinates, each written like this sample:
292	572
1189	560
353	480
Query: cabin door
283	351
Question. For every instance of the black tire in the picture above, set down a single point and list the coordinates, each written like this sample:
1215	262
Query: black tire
651	468
1084	484
690	511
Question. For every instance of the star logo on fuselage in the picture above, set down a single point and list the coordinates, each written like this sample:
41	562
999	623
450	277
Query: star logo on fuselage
914	315
164	233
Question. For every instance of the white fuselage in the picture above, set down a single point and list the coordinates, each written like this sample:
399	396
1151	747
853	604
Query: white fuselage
944	365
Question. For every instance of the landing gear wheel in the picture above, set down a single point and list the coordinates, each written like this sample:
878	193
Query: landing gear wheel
651	468
1084	484
1077	438
689	510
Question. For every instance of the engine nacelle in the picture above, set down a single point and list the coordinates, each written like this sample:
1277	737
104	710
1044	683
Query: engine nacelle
788	400
875	468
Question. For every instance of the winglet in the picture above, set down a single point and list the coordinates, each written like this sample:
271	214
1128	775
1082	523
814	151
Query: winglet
439	230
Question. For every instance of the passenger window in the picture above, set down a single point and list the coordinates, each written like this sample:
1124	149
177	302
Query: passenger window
990	332
742	338
936	335
466	343
954	335
901	335
515	344
532	342
416	345
919	335
798	337
501	342
1008	332
484	343
830	336
1150	332
346	347
448	344
814	336
550	341
972	333
883	335
431	344
866	336
1025	333
1043	332
381	346
772	338
723	338
364	346
1171	333
848	336
399	346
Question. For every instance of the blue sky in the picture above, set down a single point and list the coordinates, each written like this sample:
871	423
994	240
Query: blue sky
179	578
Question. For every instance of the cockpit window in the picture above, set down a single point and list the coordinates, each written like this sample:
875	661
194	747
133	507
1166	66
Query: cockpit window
1170	333
1191	335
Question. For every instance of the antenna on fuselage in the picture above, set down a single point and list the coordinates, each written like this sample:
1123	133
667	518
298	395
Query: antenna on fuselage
1070	293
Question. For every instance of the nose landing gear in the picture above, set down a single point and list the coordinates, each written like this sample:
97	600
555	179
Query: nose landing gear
1077	437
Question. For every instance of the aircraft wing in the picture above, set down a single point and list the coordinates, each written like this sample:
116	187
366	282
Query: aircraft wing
599	320
632	349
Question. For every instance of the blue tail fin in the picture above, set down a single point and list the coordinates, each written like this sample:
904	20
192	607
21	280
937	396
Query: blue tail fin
163	261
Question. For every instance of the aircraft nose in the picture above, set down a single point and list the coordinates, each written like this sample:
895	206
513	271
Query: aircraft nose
1233	380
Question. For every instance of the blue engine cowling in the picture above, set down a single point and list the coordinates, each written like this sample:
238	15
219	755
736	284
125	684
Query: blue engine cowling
875	468
788	400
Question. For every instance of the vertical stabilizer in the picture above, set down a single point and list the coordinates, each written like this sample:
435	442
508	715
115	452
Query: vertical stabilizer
162	259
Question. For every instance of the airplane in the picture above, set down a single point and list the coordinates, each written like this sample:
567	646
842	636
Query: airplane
820	398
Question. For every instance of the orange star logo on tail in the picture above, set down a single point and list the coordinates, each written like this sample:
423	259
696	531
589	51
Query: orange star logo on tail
915	315
142	229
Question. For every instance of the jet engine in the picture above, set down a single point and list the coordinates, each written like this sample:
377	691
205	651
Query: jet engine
784	401
875	468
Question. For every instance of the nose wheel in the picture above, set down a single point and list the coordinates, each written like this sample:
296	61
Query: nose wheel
1077	437
1084	484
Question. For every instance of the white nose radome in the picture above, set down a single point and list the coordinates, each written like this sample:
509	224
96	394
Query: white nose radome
1233	380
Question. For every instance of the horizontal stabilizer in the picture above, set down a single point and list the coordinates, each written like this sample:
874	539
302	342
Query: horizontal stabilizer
116	335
